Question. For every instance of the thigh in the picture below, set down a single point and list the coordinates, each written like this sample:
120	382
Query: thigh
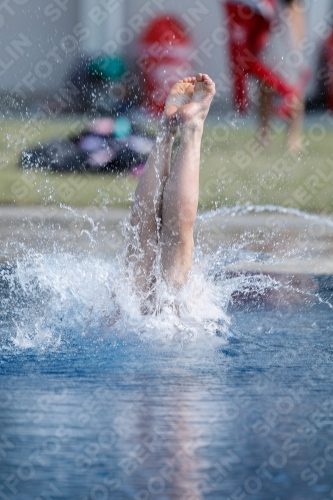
238	43
258	34
176	257
141	250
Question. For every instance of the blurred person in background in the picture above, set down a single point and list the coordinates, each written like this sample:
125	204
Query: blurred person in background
291	16
249	23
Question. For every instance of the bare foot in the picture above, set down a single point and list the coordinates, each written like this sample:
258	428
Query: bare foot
180	94
189	100
204	91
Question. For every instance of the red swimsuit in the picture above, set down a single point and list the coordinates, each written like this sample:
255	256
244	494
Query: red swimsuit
249	25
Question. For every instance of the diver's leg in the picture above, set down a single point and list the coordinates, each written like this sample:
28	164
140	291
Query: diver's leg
265	111
146	209
181	191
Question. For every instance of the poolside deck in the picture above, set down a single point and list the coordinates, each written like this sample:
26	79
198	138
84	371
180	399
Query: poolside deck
269	241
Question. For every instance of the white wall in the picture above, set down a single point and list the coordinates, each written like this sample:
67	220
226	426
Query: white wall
29	31
205	18
101	20
316	16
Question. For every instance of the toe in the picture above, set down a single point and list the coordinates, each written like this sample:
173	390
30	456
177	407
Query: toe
190	80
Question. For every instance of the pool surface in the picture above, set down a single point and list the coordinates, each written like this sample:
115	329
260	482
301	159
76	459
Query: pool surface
236	404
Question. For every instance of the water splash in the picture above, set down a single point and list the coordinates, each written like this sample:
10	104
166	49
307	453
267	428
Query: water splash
62	298
248	208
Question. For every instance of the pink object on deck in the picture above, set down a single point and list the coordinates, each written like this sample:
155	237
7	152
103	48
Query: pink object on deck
102	126
137	170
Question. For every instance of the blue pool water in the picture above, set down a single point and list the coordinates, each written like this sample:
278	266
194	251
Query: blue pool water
232	400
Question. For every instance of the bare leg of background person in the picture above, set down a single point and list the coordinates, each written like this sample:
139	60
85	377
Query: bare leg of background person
266	97
294	143
181	191
295	14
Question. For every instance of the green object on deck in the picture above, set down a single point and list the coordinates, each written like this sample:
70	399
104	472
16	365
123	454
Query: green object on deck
122	127
108	68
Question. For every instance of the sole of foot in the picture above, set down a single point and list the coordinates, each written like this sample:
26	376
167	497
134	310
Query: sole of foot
189	100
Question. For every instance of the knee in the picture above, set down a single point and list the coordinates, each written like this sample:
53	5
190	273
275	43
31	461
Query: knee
178	236
179	224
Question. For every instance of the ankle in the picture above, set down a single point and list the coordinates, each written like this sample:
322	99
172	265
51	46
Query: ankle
193	127
166	130
165	134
